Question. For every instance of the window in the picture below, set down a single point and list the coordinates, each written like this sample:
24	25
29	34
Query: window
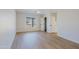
30	21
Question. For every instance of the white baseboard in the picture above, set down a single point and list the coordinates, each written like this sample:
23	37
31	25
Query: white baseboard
68	39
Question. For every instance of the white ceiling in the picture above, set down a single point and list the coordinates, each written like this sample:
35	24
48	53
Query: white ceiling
42	11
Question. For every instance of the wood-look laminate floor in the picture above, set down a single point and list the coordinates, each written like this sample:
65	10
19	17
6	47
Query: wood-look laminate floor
41	40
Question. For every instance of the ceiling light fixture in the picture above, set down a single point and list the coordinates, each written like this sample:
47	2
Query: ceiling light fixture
38	12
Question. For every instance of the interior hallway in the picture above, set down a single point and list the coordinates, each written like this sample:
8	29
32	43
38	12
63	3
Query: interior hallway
41	40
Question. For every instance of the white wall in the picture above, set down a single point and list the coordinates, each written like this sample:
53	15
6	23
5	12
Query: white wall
7	28
21	22
68	24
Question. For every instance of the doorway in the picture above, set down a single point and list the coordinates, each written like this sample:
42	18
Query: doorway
45	24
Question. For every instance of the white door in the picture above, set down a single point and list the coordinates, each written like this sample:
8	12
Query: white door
42	24
53	24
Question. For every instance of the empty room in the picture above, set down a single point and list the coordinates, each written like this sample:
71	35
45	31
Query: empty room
39	28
